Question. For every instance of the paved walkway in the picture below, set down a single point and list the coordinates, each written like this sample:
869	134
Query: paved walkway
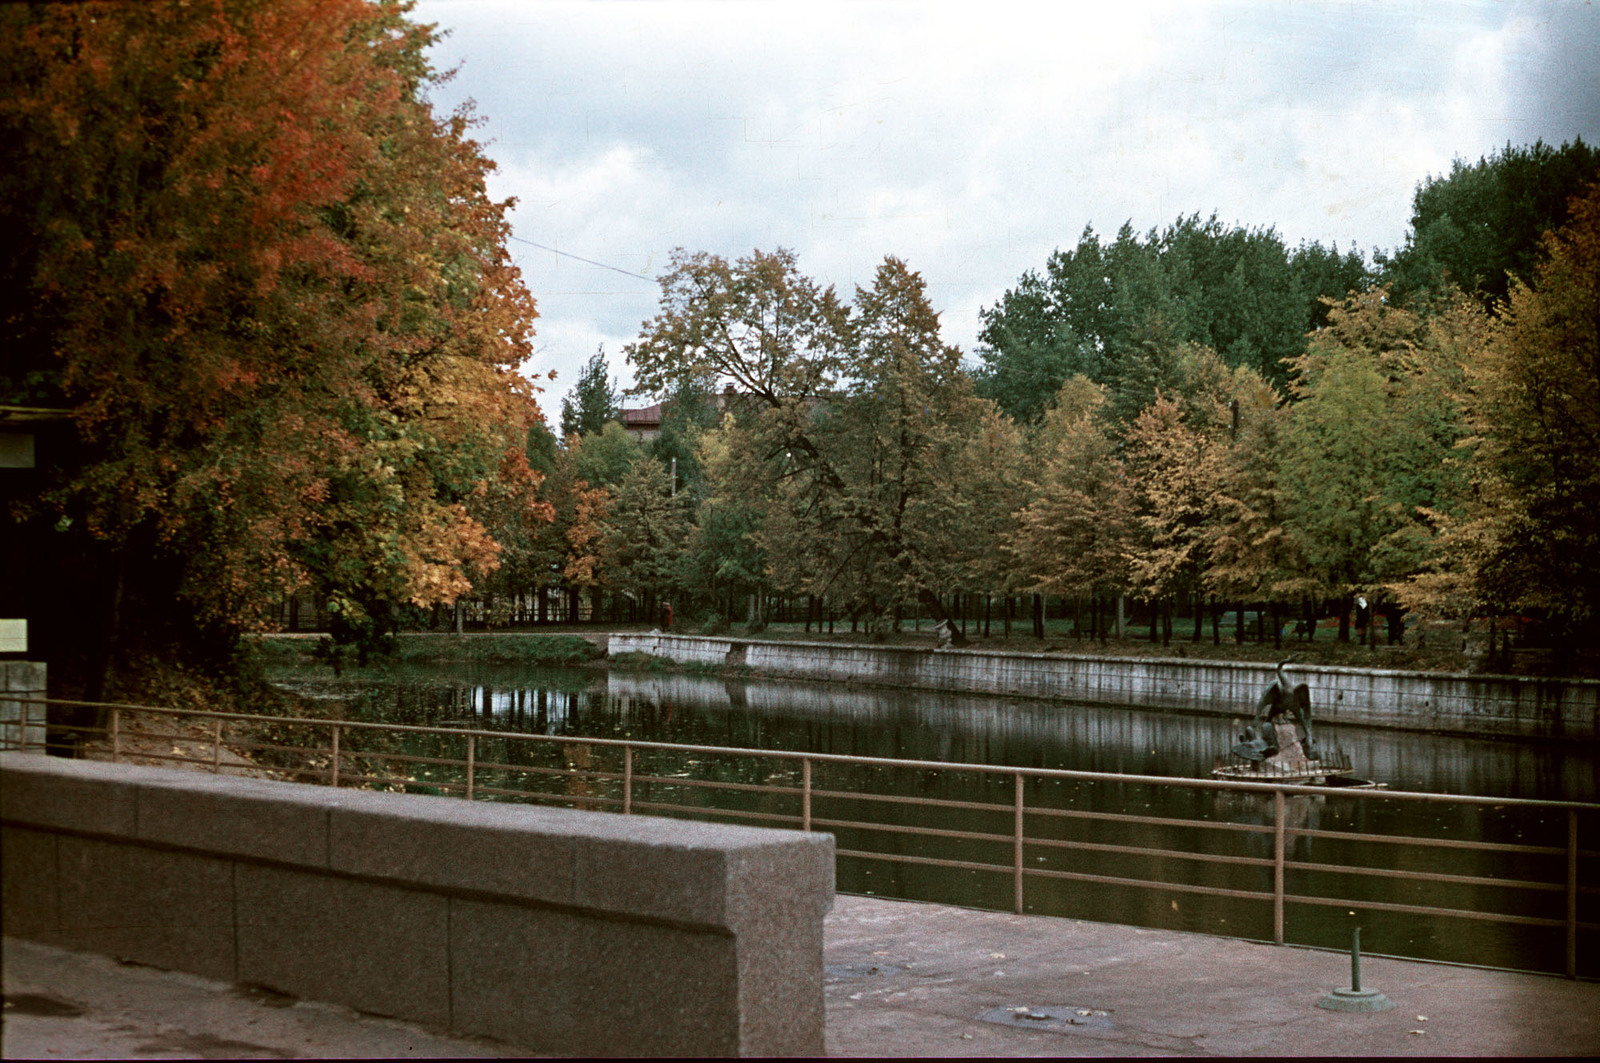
902	980
1162	993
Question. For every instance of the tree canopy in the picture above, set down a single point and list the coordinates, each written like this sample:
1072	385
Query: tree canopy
269	283
593	401
1481	227
1110	310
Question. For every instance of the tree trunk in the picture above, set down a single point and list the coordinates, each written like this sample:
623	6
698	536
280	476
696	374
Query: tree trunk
1238	624
102	658
988	612
1038	616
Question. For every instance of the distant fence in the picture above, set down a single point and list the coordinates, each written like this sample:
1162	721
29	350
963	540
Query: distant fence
1037	826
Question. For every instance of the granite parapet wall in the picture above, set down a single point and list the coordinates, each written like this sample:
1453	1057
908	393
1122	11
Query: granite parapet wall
1424	701
564	932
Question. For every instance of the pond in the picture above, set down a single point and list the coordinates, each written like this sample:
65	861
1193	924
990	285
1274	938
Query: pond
840	719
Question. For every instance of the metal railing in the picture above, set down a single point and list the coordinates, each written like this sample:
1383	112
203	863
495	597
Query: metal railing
624	779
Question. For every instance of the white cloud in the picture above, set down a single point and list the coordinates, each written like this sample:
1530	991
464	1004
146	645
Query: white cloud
973	139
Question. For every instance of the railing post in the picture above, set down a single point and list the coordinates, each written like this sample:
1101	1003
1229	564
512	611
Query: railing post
472	765
333	760
805	794
1572	893
216	746
116	734
1277	866
1016	851
627	780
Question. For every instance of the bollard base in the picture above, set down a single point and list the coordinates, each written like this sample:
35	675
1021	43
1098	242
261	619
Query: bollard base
1355	1000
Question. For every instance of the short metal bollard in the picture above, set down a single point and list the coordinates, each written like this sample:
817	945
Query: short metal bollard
1355	998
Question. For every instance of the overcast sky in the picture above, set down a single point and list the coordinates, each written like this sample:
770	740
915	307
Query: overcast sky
972	139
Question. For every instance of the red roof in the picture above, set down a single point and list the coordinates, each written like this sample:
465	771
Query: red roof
646	416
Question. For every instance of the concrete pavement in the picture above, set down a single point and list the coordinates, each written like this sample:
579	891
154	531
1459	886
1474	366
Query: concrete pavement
75	1005
943	971
902	979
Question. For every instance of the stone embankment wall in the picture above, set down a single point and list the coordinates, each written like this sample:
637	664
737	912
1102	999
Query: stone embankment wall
565	933
1424	701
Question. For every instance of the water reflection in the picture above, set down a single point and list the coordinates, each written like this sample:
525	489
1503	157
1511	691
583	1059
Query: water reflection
832	718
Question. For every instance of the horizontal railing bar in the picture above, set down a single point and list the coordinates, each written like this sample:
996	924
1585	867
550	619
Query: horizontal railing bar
930	861
592	799
169	757
1128	850
839	758
711	811
931	802
714	784
264	747
1424	876
1160	821
1109	880
899	828
1420	909
1434	843
395	780
404	758
525	769
1134	850
1180	887
1216	891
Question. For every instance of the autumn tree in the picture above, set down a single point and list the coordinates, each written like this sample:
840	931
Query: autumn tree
1249	555
723	561
895	440
647	532
985	487
268	282
1174	467
1072	538
844	421
1532	530
1369	453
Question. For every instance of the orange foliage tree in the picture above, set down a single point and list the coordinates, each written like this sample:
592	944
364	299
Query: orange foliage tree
269	283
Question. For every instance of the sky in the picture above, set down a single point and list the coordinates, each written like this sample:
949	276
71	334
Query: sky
972	139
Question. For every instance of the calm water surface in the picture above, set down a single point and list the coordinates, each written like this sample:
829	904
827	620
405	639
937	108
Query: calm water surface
832	718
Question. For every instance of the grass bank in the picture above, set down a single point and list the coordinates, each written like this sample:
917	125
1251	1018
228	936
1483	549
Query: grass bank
427	648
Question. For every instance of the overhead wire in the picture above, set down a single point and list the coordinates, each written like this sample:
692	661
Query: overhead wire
580	258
